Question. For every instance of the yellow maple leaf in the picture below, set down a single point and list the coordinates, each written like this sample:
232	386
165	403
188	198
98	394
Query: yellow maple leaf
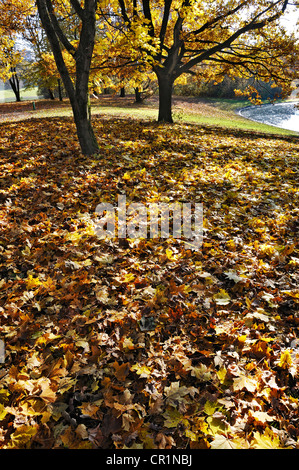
89	409
261	349
22	436
126	176
222	298
210	407
170	255
143	371
47	394
173	418
242	339
244	382
221	374
49	284
222	442
3	412
32	282
285	361
267	440
191	435
128	344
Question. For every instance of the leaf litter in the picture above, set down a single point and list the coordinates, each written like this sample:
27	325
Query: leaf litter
144	343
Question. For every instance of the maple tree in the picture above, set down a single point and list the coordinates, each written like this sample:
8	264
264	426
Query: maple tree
212	39
10	60
42	73
76	78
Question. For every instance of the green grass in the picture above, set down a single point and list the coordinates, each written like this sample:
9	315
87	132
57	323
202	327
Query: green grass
226	115
229	118
234	121
222	113
8	95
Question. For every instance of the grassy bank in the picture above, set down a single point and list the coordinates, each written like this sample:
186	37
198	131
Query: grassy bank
220	113
224	113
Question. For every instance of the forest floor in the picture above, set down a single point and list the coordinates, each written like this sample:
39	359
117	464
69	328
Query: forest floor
145	343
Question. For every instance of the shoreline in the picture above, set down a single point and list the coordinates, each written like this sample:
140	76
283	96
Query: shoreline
239	111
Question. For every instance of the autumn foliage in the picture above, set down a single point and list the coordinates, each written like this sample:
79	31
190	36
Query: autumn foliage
145	344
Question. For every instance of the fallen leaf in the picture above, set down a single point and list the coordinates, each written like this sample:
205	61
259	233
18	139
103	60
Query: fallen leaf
243	382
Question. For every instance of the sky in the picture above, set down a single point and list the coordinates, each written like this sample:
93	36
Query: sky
290	21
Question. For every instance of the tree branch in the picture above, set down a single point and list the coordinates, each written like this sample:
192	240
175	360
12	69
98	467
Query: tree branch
124	12
54	41
221	46
77	7
208	24
164	22
58	31
148	15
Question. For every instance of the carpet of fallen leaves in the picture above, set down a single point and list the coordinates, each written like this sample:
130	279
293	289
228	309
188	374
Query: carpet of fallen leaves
119	344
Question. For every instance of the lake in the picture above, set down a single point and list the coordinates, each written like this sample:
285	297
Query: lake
283	115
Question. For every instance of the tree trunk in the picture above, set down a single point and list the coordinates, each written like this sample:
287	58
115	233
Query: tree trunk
51	94
59	89
138	97
15	84
86	136
165	97
122	92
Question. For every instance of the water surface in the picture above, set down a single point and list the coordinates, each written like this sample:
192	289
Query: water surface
283	115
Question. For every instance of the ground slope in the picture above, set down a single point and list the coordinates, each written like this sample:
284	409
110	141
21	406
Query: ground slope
145	343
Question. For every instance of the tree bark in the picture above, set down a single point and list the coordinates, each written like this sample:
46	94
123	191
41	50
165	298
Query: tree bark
15	84
122	92
86	136
138	97
51	94
165	82
59	90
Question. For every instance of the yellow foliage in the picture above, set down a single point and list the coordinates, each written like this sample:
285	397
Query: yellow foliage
285	361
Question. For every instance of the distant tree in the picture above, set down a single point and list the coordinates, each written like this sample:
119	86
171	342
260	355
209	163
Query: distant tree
43	73
40	69
229	88
10	59
13	14
15	83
